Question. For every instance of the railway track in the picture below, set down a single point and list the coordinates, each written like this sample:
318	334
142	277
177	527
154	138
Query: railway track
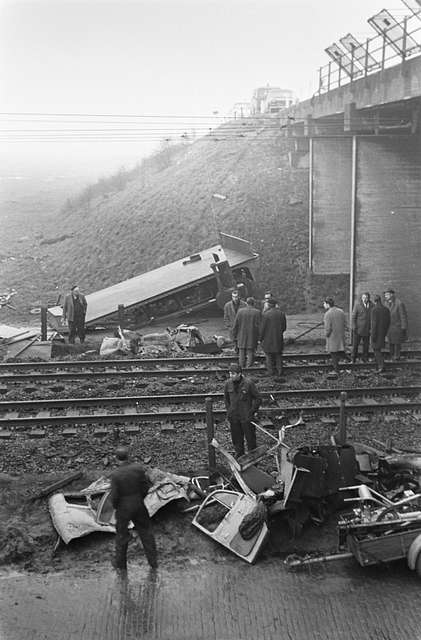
159	367
129	409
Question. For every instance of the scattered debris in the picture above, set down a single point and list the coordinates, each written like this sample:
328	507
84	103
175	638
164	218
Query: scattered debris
77	514
126	342
33	349
380	530
9	334
61	238
5	298
224	514
57	485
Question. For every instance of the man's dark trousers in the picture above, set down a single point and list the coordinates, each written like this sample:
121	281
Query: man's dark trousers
77	328
274	363
356	338
240	430
132	508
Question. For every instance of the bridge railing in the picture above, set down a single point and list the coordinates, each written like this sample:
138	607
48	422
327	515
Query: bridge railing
395	44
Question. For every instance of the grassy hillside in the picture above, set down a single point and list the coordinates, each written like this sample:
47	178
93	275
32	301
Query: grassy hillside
164	210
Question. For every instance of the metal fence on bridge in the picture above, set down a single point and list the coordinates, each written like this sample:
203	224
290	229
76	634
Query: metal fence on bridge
395	41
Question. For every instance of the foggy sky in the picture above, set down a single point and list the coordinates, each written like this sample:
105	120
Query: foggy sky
154	57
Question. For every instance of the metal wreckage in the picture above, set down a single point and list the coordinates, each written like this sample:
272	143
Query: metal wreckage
237	505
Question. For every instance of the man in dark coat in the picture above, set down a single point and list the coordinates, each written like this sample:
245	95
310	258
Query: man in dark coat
380	321
242	400
129	486
272	337
246	332
361	319
230	311
398	329
74	312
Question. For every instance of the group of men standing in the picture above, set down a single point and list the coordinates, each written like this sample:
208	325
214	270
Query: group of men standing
371	322
249	325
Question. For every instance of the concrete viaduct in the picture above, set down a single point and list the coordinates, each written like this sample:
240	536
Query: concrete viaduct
364	146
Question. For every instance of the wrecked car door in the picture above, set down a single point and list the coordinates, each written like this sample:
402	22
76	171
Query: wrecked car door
220	517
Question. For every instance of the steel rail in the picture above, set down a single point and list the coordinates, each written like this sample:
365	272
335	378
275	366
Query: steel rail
139	362
135	416
151	373
9	405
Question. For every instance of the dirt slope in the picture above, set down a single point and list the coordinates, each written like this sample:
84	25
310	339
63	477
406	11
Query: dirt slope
166	210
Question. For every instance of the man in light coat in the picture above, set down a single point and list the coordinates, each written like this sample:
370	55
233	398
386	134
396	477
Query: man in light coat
272	337
398	329
334	323
361	319
74	312
231	309
246	332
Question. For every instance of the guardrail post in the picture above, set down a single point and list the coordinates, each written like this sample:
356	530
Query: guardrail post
43	324
210	425
366	57
320	80
329	73
352	63
405	24
384	51
342	419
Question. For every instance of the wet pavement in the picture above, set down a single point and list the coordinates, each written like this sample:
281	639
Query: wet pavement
228	600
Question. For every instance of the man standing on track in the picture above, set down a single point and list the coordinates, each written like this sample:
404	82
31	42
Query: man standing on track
246	332
242	400
74	312
334	322
231	309
361	319
272	337
380	321
129	486
398	329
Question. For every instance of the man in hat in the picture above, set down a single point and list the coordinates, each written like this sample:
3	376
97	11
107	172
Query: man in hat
361	319
265	301
129	486
398	328
334	323
380	321
230	311
272	337
242	400
74	312
246	332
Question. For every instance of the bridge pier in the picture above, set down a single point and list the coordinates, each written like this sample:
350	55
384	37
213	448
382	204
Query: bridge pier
365	214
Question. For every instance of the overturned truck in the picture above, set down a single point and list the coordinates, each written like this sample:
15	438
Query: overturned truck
185	285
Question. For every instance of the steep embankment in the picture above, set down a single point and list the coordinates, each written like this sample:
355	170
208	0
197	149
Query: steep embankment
166	211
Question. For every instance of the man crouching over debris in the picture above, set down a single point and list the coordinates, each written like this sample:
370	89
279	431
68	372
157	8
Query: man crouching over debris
129	486
242	400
